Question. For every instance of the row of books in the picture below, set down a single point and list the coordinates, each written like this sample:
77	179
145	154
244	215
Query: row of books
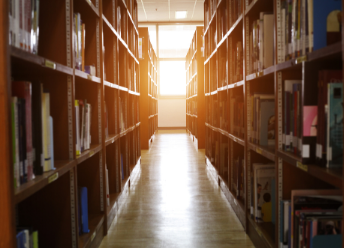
24	24
209	10
307	25
79	33
32	131
262	115
315	130
312	218
223	113
132	78
261	43
228	14
192	87
237	116
121	23
82	126
191	107
263	191
27	237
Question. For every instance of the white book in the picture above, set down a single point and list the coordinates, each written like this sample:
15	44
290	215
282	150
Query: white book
82	128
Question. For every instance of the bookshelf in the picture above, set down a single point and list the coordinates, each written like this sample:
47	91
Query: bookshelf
149	90
194	66
109	84
234	75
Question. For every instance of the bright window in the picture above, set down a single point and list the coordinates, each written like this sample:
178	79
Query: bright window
172	78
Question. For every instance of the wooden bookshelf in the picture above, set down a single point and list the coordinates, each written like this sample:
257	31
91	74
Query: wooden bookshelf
114	90
194	67
224	142
149	90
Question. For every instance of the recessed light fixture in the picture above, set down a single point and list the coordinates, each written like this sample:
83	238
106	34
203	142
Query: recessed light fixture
181	14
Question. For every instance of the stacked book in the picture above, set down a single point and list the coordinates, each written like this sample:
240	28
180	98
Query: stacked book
24	24
27	238
82	126
32	131
312	218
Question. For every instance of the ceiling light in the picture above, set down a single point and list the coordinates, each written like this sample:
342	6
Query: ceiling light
181	14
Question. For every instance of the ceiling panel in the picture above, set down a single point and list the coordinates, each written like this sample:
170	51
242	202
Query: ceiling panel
164	10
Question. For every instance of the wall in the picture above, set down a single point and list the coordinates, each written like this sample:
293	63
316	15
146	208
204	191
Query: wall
172	112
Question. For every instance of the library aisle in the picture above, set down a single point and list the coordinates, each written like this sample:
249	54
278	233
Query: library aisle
174	202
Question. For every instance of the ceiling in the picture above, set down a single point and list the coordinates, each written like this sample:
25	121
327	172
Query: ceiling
164	10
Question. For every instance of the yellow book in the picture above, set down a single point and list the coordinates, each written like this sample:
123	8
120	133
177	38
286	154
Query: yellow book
46	130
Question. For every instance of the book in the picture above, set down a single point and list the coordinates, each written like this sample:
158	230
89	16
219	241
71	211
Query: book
83	202
263	174
77	131
310	120
37	124
22	141
51	127
107	186
22	89
46	130
15	141
335	125
266	122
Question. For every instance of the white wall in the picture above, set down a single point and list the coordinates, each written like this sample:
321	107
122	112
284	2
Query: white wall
172	112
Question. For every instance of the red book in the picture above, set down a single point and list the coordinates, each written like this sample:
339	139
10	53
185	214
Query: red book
22	89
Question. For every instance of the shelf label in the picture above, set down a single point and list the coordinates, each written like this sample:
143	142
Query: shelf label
89	77
301	59
91	153
259	151
93	236
53	177
50	64
259	74
301	166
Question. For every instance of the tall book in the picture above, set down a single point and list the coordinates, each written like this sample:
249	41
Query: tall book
37	123
46	130
23	90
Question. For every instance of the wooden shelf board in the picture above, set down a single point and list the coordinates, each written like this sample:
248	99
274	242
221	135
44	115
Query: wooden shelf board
133	93
213	92
113	199
86	76
265	72
110	85
88	153
122	88
132	21
111	139
333	176
266	231
32	62
31	187
265	151
209	23
133	56
95	222
237	84
92	7
211	55
225	133
230	31
326	52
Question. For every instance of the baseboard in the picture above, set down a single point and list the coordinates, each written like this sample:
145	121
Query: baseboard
171	128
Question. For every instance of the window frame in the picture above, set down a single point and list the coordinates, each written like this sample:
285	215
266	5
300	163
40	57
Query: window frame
157	24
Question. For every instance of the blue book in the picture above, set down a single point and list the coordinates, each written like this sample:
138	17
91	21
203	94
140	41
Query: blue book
325	14
83	201
23	239
335	125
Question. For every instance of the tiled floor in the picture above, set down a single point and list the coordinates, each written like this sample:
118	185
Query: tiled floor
175	203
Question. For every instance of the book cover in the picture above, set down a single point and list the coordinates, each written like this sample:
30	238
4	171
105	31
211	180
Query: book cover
15	141
335	125
310	120
46	130
326	23
267	122
77	131
51	126
83	201
37	124
22	141
22	89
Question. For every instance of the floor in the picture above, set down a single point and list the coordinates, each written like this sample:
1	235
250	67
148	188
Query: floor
175	203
